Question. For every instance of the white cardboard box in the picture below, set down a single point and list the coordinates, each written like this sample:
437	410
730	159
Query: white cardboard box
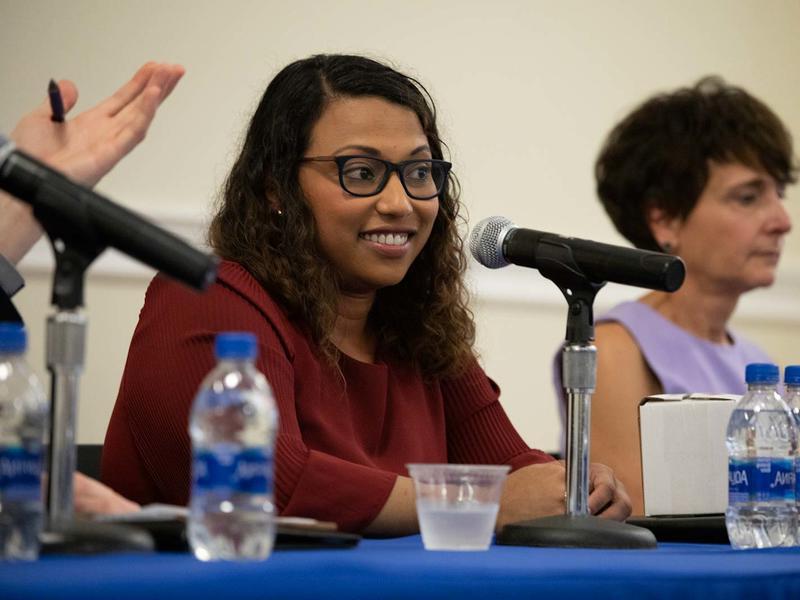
684	458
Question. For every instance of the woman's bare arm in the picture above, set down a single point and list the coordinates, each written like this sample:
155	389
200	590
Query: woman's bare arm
623	379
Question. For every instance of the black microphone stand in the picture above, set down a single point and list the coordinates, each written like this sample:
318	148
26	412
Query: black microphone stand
577	528
65	346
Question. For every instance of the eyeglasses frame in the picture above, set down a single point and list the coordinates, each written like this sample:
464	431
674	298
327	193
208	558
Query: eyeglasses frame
390	168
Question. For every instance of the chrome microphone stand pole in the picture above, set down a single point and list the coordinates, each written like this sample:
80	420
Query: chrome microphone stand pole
65	349
579	366
66	342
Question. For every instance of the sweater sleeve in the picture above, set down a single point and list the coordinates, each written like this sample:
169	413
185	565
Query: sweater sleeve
309	483
147	456
478	429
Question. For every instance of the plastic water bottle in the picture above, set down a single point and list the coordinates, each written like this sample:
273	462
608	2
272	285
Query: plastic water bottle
23	426
791	386
762	444
233	426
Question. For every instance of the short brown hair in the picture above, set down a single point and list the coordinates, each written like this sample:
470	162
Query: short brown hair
658	156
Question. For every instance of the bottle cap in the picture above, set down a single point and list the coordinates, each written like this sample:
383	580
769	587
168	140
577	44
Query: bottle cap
13	338
761	373
235	345
791	376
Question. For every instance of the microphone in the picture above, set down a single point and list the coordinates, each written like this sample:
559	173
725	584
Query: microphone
96	222
496	242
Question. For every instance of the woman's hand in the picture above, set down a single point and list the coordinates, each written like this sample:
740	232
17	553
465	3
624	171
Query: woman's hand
93	497
607	495
531	492
540	491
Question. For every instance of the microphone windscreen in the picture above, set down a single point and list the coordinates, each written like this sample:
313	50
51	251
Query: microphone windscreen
486	241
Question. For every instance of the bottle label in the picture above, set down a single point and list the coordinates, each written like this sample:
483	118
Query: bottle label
20	474
219	468
761	479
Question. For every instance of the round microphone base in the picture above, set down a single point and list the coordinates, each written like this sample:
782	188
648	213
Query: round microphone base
568	531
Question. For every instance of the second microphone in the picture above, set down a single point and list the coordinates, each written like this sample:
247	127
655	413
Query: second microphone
496	242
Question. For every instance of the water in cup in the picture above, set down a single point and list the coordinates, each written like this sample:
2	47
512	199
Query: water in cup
457	505
456	526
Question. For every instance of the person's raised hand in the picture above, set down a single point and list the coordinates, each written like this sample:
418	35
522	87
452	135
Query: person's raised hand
87	146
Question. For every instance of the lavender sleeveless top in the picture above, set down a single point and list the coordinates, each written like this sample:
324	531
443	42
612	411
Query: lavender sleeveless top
681	362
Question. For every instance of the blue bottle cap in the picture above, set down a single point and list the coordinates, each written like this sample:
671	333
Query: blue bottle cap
761	373
13	338
236	345
791	376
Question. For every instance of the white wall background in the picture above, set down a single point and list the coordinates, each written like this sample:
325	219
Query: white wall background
526	92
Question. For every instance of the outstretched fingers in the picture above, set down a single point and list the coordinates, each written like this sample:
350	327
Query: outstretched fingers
131	122
167	77
161	75
129	91
133	127
135	117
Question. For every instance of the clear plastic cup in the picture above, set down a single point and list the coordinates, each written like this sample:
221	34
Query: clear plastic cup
457	504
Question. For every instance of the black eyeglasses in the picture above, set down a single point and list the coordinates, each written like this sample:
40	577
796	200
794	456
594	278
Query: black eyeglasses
361	175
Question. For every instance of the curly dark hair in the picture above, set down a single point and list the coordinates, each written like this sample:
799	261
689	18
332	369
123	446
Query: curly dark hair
658	156
264	223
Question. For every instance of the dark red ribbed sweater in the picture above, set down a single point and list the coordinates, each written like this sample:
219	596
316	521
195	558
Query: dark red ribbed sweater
340	444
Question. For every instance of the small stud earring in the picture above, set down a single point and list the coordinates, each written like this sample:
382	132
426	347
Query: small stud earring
667	247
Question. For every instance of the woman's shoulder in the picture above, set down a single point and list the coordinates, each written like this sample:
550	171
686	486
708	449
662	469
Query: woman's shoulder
622	323
613	331
640	324
235	277
232	279
620	346
632	314
617	339
236	300
625	373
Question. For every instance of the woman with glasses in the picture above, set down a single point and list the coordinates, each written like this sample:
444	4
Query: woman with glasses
338	230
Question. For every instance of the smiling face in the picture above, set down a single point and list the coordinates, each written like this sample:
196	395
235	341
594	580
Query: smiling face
733	237
371	241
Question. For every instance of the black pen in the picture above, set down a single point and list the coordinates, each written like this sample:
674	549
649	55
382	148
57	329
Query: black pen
56	102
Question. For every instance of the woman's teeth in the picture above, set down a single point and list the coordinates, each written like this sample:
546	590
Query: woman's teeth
390	239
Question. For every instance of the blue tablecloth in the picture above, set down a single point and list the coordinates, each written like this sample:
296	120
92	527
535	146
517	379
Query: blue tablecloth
400	568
